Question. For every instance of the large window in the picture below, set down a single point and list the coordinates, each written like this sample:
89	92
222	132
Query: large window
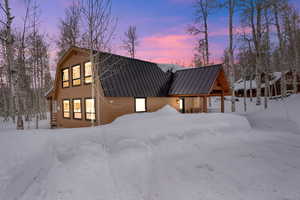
66	108
90	111
140	105
88	73
76	75
65	78
77	109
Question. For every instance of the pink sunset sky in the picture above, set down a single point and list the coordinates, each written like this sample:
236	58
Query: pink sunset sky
161	27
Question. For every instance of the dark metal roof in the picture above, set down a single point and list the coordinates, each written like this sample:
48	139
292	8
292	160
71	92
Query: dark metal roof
127	77
194	81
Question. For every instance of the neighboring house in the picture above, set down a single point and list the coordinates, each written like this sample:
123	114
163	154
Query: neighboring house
275	85
126	86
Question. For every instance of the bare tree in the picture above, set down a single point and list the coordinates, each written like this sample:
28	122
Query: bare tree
100	26
204	9
69	28
12	69
130	41
231	8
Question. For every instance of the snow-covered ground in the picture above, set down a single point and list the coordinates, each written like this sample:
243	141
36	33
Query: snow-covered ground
159	156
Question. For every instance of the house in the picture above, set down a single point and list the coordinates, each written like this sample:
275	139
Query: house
126	86
275	84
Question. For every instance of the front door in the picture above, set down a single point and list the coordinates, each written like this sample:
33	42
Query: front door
181	105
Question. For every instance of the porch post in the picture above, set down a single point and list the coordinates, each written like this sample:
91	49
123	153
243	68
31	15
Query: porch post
51	110
222	102
205	104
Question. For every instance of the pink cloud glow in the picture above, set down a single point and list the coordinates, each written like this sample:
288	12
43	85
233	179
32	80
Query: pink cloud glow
174	48
171	48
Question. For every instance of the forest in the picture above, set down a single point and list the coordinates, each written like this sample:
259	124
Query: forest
263	38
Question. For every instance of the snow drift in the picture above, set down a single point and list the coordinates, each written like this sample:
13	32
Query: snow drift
163	155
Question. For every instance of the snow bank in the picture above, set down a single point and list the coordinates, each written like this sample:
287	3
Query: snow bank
163	155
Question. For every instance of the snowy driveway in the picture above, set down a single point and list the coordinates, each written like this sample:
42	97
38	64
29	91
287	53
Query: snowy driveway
155	156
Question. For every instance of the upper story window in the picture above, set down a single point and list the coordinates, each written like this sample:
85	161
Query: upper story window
65	78
88	73
66	108
90	111
77	109
76	75
140	104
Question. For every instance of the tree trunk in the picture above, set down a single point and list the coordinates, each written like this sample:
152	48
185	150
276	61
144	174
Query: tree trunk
245	92
231	58
13	68
251	91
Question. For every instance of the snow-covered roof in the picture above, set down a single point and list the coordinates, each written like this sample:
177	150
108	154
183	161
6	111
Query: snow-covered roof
239	85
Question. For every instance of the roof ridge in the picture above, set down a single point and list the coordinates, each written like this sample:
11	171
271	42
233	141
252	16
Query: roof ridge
197	68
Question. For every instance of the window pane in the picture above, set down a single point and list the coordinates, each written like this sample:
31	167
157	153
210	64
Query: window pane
66	114
140	105
66	84
77	115
77	105
76	82
66	106
88	79
90	116
88	69
181	104
90	105
65	74
76	72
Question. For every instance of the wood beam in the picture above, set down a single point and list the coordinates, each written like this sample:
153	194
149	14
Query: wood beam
222	103
205	105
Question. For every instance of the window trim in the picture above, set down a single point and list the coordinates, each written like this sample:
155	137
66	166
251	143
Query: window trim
84	77
146	109
73	112
62	77
76	78
63	110
95	103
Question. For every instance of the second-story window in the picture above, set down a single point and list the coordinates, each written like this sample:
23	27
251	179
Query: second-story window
76	75
88	73
65	78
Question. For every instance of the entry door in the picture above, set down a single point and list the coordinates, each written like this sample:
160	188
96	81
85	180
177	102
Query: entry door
181	105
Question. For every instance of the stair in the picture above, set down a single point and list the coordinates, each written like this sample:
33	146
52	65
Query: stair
53	121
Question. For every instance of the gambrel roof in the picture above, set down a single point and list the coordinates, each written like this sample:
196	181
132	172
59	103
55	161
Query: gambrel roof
127	77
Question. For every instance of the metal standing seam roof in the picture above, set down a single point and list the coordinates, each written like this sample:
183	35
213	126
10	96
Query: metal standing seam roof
194	81
127	77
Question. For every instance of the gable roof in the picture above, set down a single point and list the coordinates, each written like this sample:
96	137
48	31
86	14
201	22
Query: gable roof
194	81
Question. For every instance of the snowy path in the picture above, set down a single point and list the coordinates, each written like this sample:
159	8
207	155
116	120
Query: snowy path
158	156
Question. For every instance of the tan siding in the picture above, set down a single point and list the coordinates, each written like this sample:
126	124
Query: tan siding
108	108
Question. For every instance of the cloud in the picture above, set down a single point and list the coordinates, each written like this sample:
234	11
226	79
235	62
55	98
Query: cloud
169	48
174	48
